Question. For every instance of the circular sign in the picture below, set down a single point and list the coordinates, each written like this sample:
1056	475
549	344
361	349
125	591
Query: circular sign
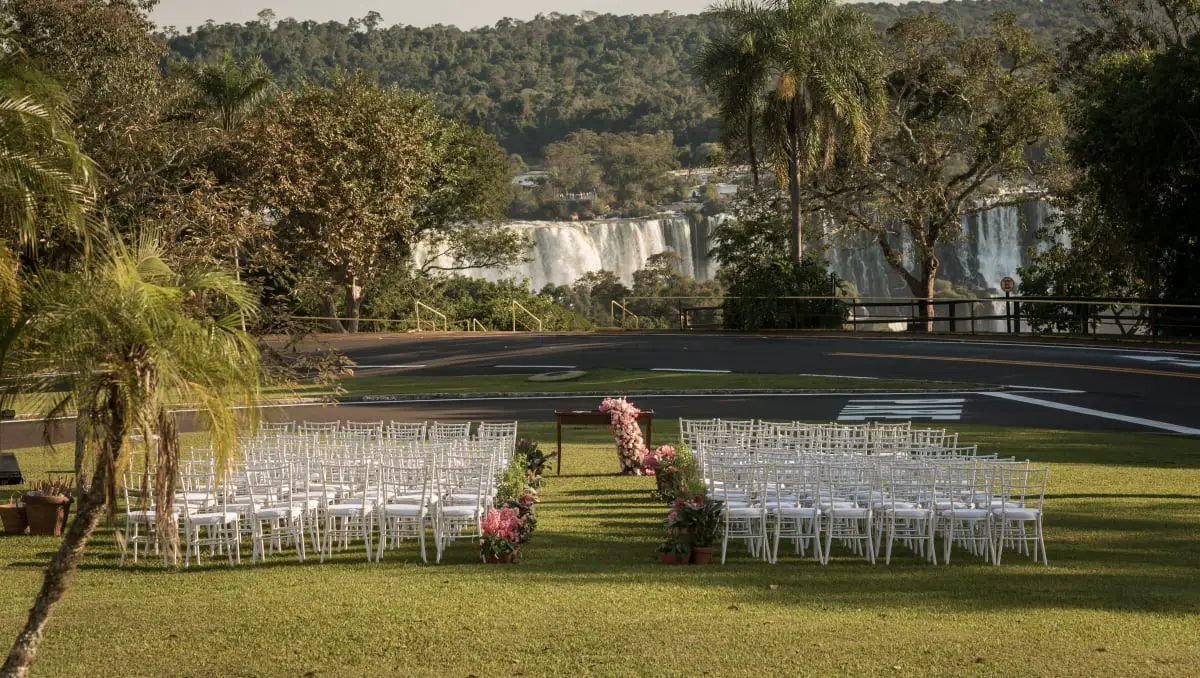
1008	284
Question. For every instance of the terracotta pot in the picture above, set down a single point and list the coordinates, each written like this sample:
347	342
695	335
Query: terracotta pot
47	515
667	558
14	519
702	555
503	558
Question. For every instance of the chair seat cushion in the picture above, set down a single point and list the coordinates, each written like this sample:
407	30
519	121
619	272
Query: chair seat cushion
460	511
1012	513
142	516
403	509
910	513
277	512
968	514
213	518
342	510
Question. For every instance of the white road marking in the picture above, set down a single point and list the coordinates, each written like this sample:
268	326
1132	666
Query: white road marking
538	367
380	367
1150	423
1164	360
835	376
934	409
1069	347
1046	389
684	369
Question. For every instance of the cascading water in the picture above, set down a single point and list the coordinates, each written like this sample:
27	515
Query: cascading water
564	251
995	243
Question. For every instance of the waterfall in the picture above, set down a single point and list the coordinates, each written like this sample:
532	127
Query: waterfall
563	251
995	243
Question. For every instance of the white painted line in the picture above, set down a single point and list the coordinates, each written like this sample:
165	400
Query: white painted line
1069	347
1149	423
1046	389
934	409
539	367
684	369
835	376
379	367
1167	360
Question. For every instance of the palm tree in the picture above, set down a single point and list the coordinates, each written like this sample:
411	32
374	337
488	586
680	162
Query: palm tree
133	339
45	180
732	68
232	91
824	67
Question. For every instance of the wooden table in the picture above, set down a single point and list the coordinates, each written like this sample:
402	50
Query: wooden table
595	418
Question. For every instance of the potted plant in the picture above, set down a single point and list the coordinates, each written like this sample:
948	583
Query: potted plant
706	518
502	534
47	505
12	515
674	552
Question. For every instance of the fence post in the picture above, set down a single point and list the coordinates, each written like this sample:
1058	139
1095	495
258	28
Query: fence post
1007	312
953	316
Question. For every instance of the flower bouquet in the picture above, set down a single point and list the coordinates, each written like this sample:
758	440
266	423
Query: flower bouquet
623	424
503	532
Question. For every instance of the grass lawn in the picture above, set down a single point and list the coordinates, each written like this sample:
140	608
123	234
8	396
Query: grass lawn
607	380
622	381
1120	597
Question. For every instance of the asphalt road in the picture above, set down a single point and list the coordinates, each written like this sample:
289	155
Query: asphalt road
1069	386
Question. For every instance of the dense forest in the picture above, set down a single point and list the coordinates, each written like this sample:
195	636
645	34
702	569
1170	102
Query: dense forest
532	83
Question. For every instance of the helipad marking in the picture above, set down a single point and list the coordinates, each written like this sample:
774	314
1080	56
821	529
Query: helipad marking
934	409
1150	423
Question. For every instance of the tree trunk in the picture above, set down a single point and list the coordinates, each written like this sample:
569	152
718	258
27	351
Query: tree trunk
58	574
751	151
329	310
354	297
794	194
924	292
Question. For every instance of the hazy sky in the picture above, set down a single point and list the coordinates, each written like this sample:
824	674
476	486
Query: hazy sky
465	13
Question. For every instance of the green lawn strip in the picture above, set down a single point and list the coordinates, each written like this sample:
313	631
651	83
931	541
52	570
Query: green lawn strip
616	381
1121	596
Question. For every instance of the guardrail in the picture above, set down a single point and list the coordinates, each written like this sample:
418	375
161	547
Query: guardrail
527	313
418	305
625	313
1009	314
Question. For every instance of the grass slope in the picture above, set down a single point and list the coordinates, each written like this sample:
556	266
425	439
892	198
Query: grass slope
618	381
1121	596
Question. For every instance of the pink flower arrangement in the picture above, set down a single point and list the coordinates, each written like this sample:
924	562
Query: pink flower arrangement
662	457
501	530
622	423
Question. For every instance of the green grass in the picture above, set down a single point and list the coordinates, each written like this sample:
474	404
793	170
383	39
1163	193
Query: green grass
624	381
1121	596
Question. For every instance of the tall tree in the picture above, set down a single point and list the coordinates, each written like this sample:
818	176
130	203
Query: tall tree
825	69
230	90
735	72
963	115
46	181
342	172
127	336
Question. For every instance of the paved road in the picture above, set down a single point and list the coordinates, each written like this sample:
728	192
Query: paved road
1083	387
1161	385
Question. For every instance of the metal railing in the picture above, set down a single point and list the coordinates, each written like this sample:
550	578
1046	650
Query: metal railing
418	305
1010	314
516	305
625	313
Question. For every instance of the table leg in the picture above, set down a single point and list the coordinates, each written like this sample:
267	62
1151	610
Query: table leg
559	471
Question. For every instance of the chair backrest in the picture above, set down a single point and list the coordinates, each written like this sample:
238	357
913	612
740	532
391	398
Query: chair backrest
401	431
440	430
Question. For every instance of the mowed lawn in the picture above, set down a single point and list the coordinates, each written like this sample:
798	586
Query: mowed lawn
1121	595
